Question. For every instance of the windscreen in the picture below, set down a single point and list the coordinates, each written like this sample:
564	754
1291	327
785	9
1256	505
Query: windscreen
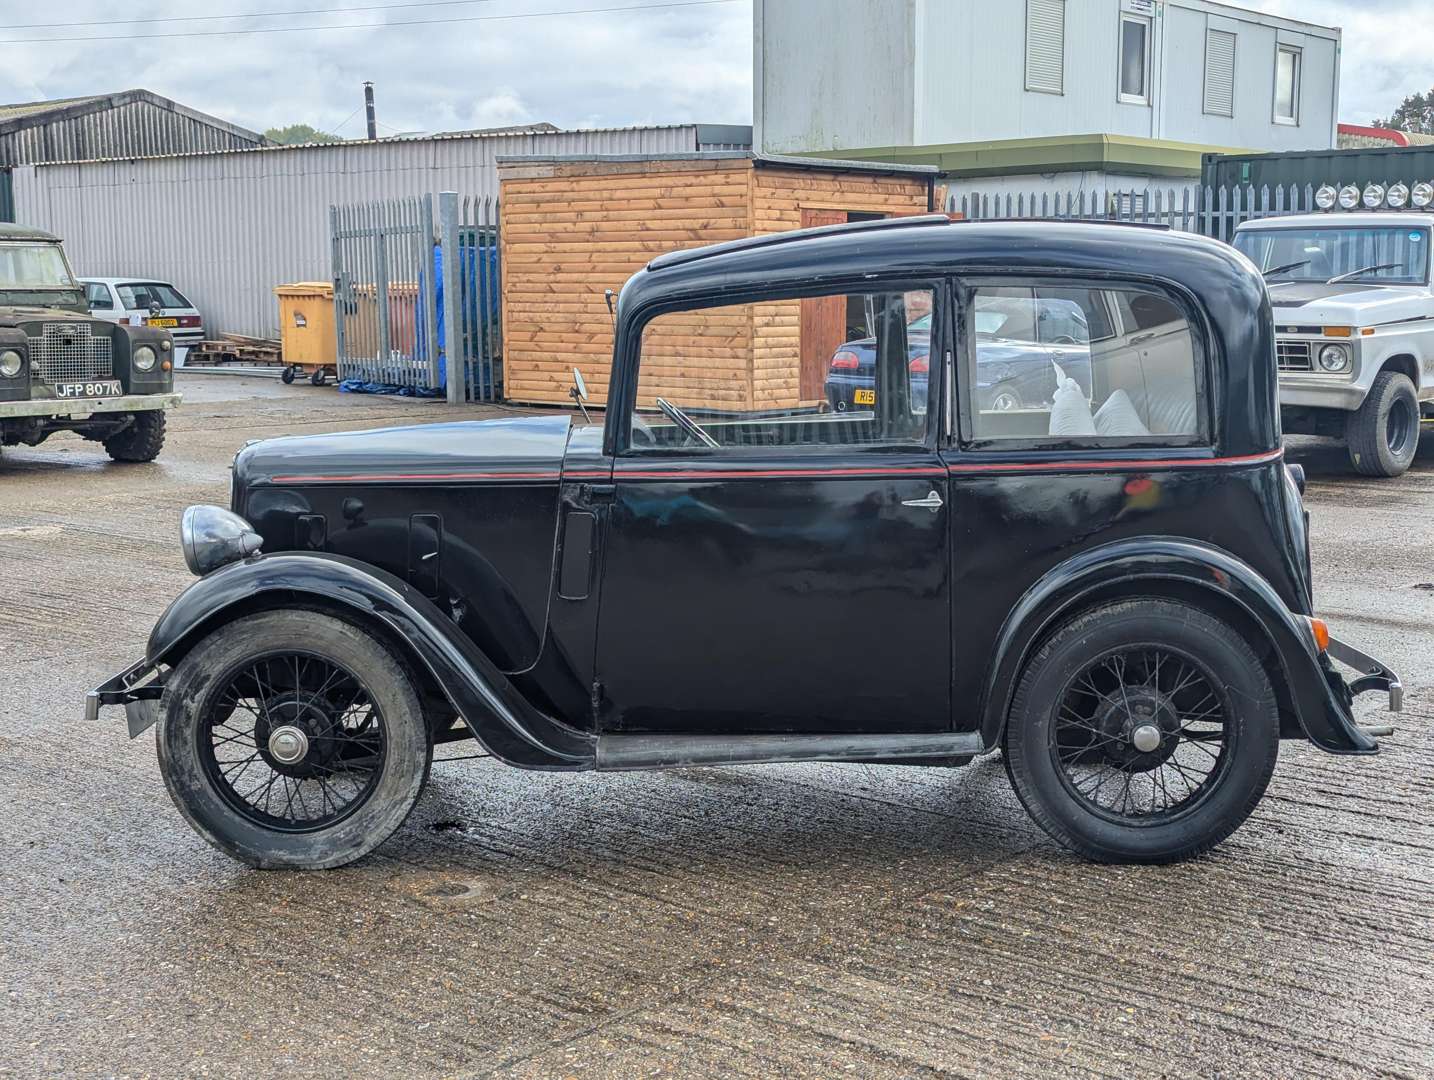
34	266
1377	255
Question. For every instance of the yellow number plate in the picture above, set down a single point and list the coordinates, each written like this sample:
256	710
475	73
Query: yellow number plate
162	322
864	397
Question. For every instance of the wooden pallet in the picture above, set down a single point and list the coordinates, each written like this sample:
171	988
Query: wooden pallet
235	350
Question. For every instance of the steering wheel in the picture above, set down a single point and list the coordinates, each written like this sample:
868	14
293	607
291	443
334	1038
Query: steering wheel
1064	339
689	426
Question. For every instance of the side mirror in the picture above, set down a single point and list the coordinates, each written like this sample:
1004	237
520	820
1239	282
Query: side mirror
579	393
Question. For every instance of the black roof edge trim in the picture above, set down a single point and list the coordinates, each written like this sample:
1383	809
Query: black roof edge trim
1155	226
689	255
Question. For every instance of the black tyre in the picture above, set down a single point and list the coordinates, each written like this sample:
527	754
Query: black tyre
318	376
287	375
1144	731
141	441
1383	433
291	739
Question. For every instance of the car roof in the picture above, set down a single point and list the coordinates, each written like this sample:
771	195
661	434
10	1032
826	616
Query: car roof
131	280
1334	219
11	231
1222	285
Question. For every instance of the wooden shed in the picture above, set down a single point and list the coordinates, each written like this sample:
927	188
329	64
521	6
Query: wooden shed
572	227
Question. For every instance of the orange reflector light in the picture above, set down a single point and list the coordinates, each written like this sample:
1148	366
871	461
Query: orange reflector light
1320	629
165	365
1339	331
1367	330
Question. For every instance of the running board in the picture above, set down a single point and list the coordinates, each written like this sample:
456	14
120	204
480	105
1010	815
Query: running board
619	752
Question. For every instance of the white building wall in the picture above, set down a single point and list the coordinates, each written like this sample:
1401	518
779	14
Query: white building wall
227	227
837	73
967	67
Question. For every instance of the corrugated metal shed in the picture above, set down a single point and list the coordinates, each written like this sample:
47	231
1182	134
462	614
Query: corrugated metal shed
132	123
227	227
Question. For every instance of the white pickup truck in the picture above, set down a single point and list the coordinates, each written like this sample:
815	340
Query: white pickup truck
1354	327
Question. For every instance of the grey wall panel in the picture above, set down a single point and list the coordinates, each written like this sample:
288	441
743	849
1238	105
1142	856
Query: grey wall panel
228	227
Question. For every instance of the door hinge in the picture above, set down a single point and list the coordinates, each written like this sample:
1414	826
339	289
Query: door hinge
596	698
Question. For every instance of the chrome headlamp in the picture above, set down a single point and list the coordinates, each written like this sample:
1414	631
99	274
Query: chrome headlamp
11	361
1326	197
1421	195
1334	358
213	537
1349	197
1373	196
144	358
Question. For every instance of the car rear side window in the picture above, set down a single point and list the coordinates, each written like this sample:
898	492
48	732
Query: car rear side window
1095	366
841	369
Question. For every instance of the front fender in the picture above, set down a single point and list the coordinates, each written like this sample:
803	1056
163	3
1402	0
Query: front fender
1118	570
500	717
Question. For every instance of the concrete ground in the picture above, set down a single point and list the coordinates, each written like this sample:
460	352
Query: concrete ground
763	921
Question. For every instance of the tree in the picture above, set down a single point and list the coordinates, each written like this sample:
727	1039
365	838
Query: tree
299	133
1415	113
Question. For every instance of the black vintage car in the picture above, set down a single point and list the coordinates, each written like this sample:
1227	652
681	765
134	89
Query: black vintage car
1112	588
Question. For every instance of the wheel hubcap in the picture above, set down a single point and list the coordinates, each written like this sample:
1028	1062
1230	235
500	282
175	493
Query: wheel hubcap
288	744
1145	738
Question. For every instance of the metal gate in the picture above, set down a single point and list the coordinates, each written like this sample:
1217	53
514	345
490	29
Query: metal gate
384	318
409	297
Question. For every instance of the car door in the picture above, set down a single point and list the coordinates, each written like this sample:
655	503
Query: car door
770	565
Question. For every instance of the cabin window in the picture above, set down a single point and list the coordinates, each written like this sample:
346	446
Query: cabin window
1135	59
1288	60
831	370
1052	364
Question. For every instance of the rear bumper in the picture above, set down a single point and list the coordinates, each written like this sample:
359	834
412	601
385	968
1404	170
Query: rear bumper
1374	677
78	408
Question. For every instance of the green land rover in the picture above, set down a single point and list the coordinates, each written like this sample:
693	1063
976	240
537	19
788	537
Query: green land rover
61	370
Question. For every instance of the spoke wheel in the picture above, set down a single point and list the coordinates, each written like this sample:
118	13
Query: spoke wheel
1144	730
293	741
1141	734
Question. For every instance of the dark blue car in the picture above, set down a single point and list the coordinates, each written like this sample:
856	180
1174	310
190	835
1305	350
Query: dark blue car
1018	340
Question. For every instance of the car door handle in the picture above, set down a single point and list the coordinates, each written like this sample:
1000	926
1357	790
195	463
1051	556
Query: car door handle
931	502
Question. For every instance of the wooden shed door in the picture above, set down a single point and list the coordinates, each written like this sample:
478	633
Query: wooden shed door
823	321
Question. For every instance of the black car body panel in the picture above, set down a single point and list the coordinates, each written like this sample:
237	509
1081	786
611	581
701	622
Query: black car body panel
466	512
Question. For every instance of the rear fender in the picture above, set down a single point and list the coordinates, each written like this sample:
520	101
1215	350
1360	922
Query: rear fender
1187	569
507	725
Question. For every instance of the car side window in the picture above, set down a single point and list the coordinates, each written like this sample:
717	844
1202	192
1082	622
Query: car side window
97	295
1081	365
843	369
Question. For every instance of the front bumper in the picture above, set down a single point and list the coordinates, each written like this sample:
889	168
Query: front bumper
1321	392
138	688
79	408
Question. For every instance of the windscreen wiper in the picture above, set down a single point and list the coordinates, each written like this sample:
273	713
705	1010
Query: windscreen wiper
1285	267
1362	270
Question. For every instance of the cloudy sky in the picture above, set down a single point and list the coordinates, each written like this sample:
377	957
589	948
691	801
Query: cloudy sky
456	64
